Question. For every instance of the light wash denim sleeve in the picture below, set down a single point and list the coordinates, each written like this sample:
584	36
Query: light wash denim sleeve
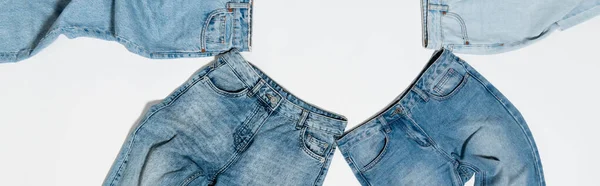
487	27
151	28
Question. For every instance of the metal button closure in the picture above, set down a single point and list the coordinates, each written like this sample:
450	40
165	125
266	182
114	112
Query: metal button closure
398	110
272	99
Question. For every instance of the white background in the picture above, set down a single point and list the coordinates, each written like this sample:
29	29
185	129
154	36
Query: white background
65	112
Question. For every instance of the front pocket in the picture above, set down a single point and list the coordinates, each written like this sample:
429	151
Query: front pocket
223	81
449	84
463	26
215	30
222	92
369	151
315	143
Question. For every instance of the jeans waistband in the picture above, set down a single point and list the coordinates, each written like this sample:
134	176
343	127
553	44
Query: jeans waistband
418	92
432	12
276	98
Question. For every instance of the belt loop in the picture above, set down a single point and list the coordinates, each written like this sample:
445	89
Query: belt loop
255	88
386	126
437	7
303	117
266	95
234	5
421	93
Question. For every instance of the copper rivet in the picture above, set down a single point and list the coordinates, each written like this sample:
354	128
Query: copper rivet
467	43
203	50
230	9
444	13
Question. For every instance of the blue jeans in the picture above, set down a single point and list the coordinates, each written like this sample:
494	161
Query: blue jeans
154	29
229	124
450	125
494	26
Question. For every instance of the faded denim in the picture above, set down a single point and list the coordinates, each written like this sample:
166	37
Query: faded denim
487	27
229	124
450	125
151	28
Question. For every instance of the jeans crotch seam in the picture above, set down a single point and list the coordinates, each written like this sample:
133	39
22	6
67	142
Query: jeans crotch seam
479	175
431	142
240	143
237	154
457	176
459	172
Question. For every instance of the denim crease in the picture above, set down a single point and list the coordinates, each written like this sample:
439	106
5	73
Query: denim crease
230	124
153	29
450	125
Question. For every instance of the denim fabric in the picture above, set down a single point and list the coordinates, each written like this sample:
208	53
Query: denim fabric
486	27
450	125
229	124
151	28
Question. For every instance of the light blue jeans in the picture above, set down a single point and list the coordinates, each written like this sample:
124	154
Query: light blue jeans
494	26
229	124
154	29
449	125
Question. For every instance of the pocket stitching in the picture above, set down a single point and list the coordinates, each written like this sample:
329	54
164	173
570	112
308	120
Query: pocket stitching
463	26
450	72
210	17
208	82
454	91
306	149
191	178
379	156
